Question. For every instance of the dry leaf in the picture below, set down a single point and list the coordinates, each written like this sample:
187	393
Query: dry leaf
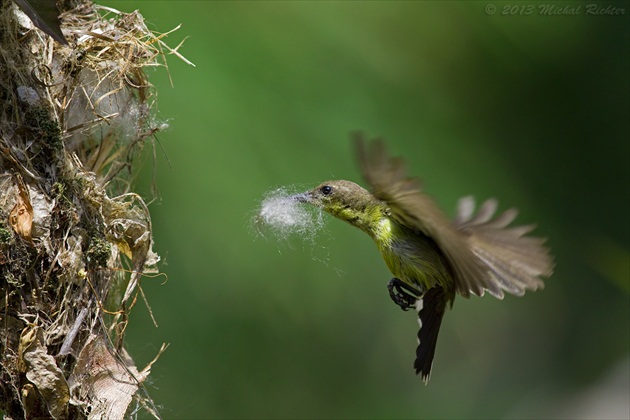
101	380
21	216
43	372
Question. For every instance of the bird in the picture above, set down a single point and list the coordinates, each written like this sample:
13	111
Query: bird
431	257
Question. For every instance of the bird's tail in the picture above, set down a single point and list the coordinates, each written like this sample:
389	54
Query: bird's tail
514	261
431	307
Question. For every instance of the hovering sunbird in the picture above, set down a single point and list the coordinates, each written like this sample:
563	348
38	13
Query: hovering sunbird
431	257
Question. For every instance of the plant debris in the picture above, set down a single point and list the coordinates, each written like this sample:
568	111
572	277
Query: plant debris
75	241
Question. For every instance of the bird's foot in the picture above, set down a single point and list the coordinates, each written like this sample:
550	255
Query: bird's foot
402	294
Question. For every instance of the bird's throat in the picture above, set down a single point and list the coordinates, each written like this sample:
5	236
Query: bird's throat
373	220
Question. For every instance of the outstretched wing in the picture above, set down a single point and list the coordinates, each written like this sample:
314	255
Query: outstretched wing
515	261
470	245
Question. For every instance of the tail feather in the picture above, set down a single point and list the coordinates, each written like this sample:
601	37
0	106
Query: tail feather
514	262
431	307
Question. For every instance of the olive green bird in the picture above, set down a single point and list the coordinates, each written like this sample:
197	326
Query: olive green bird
431	257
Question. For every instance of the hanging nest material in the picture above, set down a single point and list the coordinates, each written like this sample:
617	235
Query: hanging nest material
74	240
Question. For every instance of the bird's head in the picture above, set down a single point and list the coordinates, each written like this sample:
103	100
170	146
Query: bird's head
346	201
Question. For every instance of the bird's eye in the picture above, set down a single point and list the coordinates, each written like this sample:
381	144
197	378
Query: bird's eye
326	189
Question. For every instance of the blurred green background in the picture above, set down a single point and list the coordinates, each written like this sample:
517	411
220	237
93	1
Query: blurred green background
530	109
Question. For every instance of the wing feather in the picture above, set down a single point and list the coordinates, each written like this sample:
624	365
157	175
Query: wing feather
484	253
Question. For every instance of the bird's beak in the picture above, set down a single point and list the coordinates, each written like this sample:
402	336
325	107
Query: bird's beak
302	198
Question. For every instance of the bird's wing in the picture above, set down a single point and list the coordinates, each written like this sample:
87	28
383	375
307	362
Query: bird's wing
409	206
515	262
482	253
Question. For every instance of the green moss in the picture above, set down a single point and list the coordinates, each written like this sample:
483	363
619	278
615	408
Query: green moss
63	192
98	253
46	129
5	235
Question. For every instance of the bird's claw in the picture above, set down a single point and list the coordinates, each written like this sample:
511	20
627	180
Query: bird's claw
402	294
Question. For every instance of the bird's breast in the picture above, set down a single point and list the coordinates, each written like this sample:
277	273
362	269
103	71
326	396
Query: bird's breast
411	256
